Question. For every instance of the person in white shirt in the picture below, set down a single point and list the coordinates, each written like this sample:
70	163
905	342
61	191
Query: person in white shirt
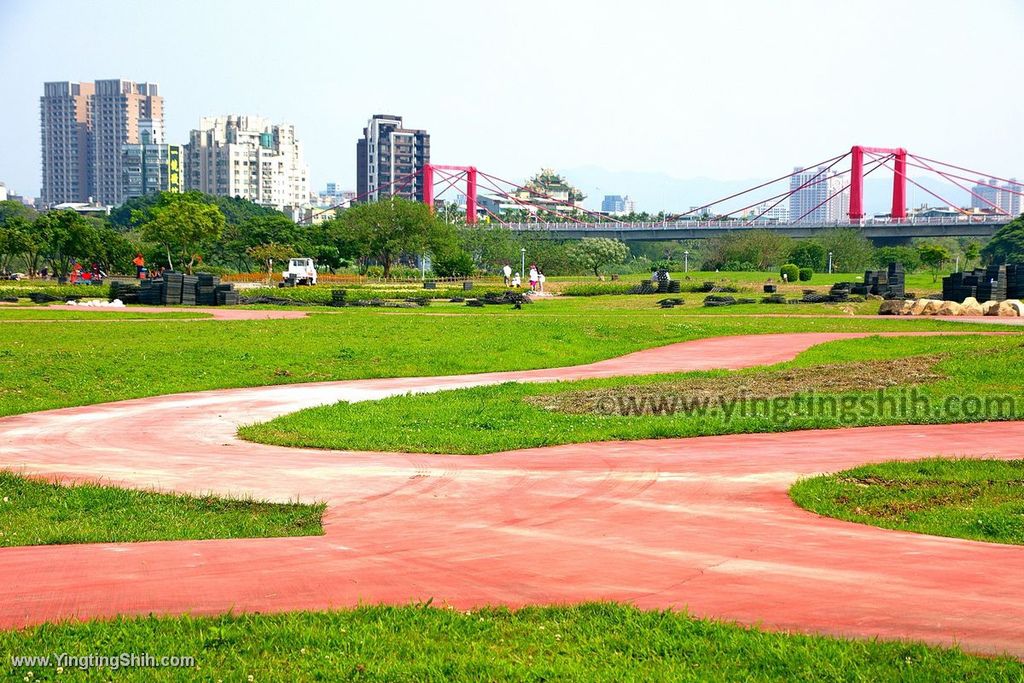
507	272
516	281
533	276
540	281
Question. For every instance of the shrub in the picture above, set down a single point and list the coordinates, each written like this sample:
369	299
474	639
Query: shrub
790	272
598	289
456	263
806	274
60	291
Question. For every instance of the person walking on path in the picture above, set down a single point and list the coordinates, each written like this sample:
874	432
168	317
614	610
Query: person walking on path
507	272
533	276
540	280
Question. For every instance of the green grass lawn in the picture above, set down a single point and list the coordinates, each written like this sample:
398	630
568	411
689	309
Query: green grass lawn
607	642
34	512
510	416
15	313
50	366
981	500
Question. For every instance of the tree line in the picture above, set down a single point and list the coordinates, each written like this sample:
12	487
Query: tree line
195	231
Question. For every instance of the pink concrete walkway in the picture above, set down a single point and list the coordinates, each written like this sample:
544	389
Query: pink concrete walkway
703	523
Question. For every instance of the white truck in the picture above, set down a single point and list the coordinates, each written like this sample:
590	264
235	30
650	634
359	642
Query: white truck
301	271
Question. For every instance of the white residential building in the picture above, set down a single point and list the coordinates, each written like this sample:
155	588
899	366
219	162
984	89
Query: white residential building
810	190
988	195
248	157
839	203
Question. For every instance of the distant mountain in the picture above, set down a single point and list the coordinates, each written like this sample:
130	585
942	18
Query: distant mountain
655	192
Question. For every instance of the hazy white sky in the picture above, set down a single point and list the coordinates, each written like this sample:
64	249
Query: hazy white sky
725	89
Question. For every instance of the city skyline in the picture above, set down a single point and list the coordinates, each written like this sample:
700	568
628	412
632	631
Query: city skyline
514	112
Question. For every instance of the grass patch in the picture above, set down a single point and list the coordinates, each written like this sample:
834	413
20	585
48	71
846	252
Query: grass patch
43	366
638	399
18	313
511	416
34	512
981	500
597	641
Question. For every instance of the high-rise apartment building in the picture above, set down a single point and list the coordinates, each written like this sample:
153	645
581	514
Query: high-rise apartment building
389	159
810	191
118	108
248	157
84	127
150	166
65	118
838	203
1008	197
613	204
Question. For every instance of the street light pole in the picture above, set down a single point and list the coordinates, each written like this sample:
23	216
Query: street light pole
522	267
686	261
830	263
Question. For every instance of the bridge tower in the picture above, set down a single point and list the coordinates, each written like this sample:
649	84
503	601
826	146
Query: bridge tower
899	180
470	173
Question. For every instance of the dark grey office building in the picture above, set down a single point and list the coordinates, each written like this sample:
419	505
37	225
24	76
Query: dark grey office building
389	159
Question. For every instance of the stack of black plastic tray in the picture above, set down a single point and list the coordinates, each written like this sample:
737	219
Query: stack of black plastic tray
226	297
188	289
992	286
172	288
338	297
1014	281
206	289
128	293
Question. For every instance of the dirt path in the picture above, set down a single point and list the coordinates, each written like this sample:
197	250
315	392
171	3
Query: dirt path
703	524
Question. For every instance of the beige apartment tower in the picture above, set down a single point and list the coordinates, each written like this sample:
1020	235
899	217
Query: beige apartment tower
65	118
84	127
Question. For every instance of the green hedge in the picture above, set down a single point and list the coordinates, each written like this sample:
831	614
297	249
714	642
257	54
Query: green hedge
806	274
321	295
597	289
86	291
790	272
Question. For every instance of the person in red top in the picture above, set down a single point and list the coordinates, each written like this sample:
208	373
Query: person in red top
76	272
140	264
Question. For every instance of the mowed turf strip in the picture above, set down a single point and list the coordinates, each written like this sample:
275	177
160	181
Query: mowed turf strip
603	641
844	379
53	366
963	498
36	512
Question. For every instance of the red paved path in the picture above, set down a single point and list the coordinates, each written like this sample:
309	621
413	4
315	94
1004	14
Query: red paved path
702	523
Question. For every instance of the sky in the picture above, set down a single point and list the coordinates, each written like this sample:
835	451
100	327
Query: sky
727	90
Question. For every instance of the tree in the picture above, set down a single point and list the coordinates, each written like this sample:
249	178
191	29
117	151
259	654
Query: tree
851	251
1007	245
115	251
266	254
594	252
454	263
934	256
808	254
749	250
387	229
908	256
181	224
67	237
971	252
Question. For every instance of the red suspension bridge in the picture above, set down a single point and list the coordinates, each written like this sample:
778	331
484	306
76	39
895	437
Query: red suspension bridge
824	195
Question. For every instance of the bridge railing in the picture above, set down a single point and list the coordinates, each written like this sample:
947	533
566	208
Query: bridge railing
609	226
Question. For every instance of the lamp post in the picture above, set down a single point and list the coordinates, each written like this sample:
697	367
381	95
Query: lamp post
522	267
686	261
830	263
